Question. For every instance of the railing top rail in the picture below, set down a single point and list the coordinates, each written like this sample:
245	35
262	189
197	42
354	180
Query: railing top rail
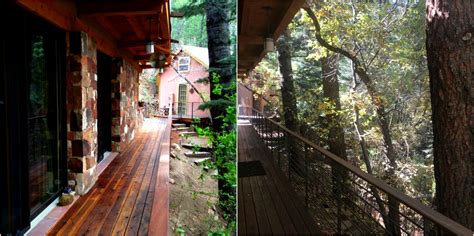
417	206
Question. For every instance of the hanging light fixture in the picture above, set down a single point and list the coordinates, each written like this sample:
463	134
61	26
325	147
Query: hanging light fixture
149	45
268	44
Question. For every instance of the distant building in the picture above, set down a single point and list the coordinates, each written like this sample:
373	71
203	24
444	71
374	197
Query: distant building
193	63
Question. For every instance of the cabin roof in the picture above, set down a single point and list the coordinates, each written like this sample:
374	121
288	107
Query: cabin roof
199	54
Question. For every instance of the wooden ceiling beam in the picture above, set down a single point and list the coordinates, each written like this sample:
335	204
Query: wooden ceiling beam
251	39
290	13
146	67
147	7
141	43
142	57
137	28
247	59
245	15
105	23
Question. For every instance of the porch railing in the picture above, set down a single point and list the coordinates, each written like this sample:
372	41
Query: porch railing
188	110
342	198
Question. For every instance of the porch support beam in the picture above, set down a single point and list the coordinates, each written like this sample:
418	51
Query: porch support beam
111	8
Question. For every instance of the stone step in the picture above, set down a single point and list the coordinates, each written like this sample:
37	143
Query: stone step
193	145
187	133
176	125
198	154
183	128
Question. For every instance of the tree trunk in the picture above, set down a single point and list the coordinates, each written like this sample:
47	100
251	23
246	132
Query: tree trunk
290	114
217	25
450	51
221	73
335	138
331	92
287	88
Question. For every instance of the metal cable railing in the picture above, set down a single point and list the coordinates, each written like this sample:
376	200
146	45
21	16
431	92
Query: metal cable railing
342	198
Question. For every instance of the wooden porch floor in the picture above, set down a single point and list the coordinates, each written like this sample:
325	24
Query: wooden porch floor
126	197
267	203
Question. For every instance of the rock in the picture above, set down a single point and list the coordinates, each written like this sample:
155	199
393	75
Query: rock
175	146
198	154
172	181
66	199
200	160
173	154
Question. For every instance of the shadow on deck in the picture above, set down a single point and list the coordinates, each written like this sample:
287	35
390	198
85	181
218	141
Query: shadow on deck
131	195
267	203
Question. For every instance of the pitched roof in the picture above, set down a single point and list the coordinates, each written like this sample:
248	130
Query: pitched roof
199	54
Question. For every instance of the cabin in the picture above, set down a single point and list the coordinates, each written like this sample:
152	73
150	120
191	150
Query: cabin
70	115
190	65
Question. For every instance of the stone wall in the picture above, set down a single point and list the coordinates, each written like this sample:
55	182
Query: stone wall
126	116
81	90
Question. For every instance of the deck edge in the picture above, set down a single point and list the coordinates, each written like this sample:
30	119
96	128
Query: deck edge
159	221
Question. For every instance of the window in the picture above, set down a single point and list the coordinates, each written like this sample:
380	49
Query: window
183	64
182	92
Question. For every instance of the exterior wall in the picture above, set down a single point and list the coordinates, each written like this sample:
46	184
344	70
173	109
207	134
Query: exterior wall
81	90
126	116
170	80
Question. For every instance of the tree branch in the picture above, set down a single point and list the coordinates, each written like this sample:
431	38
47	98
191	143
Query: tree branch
323	42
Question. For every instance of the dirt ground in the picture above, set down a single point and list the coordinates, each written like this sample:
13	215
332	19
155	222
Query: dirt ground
193	194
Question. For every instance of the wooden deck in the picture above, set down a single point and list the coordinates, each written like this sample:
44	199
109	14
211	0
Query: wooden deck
130	193
267	204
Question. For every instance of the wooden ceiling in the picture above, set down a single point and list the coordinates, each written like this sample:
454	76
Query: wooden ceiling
257	20
120	27
131	23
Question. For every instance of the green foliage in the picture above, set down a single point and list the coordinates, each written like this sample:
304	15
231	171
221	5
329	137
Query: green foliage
224	150
180	231
389	39
148	87
223	232
190	29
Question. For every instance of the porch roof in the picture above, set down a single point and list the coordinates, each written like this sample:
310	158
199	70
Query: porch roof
256	23
120	28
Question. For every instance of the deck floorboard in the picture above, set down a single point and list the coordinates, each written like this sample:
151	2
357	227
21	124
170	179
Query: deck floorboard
122	199
267	203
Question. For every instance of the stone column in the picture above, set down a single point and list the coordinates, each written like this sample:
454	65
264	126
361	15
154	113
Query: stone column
81	87
125	115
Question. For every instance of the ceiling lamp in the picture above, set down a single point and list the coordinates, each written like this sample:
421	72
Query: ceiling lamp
149	45
268	44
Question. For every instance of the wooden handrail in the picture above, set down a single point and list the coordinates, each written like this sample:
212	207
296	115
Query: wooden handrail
417	206
159	222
